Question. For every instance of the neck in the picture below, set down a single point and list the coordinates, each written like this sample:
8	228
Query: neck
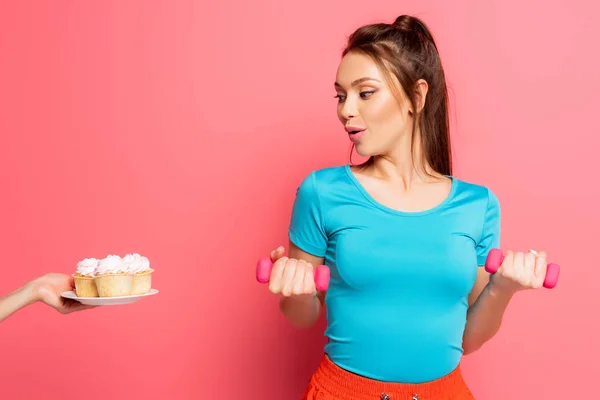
403	166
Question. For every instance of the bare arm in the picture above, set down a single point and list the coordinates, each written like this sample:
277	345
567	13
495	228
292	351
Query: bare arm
303	310
46	289
486	309
490	296
16	300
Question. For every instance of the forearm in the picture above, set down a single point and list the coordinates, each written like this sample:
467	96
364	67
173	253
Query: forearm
484	317
17	300
302	311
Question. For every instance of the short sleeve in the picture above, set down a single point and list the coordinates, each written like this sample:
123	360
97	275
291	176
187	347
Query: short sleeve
307	229
490	235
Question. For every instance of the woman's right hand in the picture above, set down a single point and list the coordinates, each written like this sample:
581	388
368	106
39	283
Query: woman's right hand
291	277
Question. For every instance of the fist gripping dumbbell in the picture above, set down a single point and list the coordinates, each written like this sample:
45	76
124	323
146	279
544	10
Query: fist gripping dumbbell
495	258
265	265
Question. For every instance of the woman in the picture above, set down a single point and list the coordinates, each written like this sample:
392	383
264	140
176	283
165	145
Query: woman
404	239
46	289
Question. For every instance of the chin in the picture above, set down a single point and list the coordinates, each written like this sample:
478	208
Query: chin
363	150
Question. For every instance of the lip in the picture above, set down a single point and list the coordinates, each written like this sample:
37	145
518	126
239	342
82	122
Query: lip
356	136
355	129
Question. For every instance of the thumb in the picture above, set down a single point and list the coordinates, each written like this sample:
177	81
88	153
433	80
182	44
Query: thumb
277	253
542	254
71	282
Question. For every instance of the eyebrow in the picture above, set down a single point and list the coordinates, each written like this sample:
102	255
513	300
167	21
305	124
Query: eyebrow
356	82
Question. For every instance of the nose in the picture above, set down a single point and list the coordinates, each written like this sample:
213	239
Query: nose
348	109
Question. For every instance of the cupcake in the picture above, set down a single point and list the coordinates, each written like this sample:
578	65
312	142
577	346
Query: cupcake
112	278
83	277
139	266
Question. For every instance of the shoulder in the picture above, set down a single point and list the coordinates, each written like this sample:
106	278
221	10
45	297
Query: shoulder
330	175
476	193
325	179
326	186
482	207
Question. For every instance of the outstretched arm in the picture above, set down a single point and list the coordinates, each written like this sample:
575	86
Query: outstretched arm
47	289
16	300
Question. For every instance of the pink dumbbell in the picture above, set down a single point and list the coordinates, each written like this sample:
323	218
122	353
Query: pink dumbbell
265	265
495	258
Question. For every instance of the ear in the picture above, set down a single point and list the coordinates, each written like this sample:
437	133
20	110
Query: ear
421	89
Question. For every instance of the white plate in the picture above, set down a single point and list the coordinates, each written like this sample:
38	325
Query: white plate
107	301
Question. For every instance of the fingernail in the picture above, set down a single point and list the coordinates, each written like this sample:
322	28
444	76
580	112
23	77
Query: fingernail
532	251
280	248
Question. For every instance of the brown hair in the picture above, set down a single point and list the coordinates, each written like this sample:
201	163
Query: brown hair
407	51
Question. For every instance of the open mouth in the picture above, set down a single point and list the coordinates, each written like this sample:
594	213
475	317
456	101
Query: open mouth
353	130
355	134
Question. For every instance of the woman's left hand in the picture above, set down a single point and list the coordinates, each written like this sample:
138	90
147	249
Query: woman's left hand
520	271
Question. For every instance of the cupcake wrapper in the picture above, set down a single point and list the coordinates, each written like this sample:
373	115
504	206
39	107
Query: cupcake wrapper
142	282
85	286
113	285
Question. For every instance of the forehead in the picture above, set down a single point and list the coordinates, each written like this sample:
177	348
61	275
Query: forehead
355	66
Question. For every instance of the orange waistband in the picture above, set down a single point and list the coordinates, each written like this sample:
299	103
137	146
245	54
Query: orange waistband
330	382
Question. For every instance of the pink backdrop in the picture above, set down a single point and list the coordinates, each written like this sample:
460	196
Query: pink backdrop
180	130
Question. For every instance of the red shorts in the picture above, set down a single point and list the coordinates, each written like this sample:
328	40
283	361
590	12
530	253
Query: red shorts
330	382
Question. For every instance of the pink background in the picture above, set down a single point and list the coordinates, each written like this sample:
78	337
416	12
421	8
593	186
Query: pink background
181	129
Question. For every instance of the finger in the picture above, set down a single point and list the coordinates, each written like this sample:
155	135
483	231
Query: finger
518	266
528	271
71	281
309	280
60	304
67	305
299	276
540	269
509	259
72	306
277	253
276	275
288	276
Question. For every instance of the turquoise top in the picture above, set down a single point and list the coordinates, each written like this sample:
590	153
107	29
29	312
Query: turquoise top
398	297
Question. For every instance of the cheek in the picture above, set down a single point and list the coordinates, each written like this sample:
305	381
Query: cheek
384	112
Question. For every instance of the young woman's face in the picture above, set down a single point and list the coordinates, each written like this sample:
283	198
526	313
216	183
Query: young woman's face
373	117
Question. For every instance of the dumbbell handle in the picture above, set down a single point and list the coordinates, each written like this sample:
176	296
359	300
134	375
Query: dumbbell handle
265	265
495	259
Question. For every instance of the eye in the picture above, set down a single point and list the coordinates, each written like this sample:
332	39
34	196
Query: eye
366	95
340	97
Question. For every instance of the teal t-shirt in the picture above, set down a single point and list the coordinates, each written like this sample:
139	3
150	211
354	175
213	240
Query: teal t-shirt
398	297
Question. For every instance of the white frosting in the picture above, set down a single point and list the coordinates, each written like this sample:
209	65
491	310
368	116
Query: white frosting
145	264
136	263
87	266
111	264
